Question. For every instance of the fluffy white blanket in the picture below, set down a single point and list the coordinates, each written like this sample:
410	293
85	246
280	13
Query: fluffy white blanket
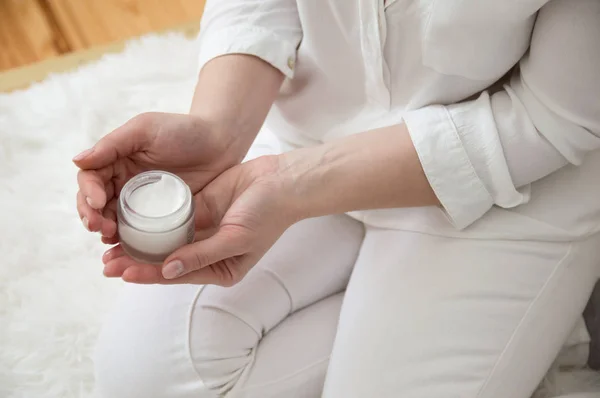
52	293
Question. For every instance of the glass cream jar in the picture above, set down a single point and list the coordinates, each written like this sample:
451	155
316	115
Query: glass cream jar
155	216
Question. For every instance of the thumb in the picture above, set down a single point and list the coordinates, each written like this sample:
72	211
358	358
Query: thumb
195	256
131	137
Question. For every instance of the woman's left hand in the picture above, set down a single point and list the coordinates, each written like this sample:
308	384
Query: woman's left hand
239	216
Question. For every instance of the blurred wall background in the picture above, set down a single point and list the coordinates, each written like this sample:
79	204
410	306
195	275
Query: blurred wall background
36	30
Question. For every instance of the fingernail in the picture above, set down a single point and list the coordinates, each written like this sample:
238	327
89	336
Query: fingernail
89	201
86	223
83	154
107	256
173	269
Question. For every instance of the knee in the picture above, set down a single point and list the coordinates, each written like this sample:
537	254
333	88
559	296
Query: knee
222	347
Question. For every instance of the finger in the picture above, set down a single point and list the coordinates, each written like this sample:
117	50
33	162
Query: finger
211	275
91	219
224	244
110	241
206	216
109	188
117	267
116	262
119	264
206	221
113	253
131	137
142	274
212	202
80	201
109	222
151	274
92	184
108	228
224	273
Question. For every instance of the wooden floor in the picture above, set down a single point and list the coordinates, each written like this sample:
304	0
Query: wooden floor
35	30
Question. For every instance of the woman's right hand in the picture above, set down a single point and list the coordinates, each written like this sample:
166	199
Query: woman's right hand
185	145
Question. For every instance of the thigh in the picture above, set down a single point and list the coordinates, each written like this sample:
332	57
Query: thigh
428	316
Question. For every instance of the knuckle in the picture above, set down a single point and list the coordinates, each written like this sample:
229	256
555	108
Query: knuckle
238	235
200	260
143	119
144	127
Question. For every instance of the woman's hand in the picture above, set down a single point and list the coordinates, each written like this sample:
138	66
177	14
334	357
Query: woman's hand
241	214
182	144
232	98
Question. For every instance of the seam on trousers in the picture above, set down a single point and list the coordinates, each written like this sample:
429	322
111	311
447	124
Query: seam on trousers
308	367
230	311
189	344
189	332
522	321
280	282
504	237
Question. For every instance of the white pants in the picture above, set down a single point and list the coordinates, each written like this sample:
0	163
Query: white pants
422	317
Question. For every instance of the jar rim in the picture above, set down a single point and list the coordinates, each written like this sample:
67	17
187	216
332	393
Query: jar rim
136	220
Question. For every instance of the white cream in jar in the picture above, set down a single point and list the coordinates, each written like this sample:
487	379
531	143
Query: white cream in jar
155	216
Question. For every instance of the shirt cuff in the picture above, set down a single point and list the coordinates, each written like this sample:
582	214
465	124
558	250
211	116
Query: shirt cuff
250	40
446	163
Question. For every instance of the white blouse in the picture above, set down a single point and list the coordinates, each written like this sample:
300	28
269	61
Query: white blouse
353	65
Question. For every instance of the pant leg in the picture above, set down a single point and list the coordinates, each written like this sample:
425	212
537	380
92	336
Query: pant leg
142	350
244	341
291	360
428	316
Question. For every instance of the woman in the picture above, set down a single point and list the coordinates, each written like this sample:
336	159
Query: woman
464	214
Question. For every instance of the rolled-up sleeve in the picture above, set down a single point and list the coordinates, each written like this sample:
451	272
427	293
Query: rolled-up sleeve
268	29
480	153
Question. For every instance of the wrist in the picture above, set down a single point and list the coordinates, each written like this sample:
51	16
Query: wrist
277	192
303	174
226	150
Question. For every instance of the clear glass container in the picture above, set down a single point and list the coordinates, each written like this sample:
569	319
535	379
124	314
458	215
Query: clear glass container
155	216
